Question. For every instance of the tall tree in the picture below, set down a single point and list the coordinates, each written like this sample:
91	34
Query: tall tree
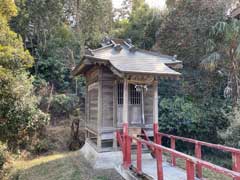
55	33
224	55
184	32
95	20
47	30
19	113
141	26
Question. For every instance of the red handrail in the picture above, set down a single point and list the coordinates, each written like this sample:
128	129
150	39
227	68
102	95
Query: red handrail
198	153
190	161
216	146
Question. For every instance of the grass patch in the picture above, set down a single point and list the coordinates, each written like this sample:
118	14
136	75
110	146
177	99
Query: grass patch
63	166
208	174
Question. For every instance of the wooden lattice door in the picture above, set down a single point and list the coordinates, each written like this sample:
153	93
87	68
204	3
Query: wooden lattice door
134	105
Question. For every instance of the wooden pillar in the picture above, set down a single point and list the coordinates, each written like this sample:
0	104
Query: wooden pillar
126	140
115	113
99	117
125	102
86	111
155	111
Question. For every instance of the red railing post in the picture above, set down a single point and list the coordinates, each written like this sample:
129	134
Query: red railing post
128	151
159	164
155	132
139	157
236	161
126	147
173	146
237	178
190	170
159	139
198	154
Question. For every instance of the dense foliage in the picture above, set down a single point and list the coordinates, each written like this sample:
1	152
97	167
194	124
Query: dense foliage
141	25
185	31
50	39
224	55
197	105
3	151
180	115
19	114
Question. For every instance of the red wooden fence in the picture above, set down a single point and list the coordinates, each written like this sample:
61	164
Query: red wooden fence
191	162
198	151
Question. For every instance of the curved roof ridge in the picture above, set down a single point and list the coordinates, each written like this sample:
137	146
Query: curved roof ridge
129	60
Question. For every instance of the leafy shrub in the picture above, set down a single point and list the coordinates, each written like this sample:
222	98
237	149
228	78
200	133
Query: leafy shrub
40	146
19	114
3	150
232	134
63	105
180	116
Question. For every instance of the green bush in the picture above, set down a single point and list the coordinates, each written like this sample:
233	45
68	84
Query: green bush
178	116
19	112
232	134
3	158
63	105
183	117
40	146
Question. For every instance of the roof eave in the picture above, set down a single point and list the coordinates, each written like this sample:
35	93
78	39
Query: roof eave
159	75
88	60
175	65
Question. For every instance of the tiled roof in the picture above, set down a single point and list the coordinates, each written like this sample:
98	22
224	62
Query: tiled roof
125	58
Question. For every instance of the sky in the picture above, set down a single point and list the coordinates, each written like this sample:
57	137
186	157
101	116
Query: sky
152	3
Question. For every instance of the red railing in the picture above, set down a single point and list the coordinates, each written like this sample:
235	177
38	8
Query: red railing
191	162
198	151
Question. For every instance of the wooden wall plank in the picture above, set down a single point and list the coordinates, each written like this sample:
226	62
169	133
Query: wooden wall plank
148	105
108	88
100	108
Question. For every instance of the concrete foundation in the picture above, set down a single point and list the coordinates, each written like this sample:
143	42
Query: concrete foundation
103	160
113	160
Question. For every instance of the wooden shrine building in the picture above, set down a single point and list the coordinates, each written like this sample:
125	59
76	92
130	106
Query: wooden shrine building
122	90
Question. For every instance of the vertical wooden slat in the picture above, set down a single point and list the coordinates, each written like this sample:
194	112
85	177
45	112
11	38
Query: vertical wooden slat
125	101
198	154
190	170
155	111
159	164
236	162
115	113
87	110
99	117
155	102
159	139
139	157
127	141
173	146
